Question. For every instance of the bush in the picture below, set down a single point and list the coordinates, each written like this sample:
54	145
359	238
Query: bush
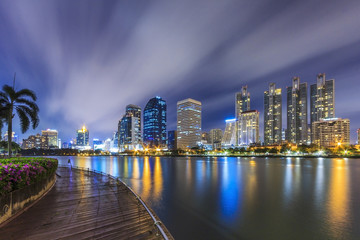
15	173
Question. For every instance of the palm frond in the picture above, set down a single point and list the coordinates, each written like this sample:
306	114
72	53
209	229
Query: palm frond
29	103
24	119
25	93
4	97
9	91
30	113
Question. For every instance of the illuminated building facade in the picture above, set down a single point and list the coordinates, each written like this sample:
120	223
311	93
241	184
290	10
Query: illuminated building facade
14	138
242	101
172	140
322	99
272	115
82	137
330	132
155	123
215	138
52	136
188	123
135	111
248	128
36	141
358	136
129	133
229	137
297	126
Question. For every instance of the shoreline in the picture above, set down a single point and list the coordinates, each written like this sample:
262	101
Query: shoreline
204	155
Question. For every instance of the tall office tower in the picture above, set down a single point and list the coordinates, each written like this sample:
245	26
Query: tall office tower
272	115
52	136
297	120
82	138
155	123
248	128
229	137
216	137
358	136
188	123
134	111
129	132
242	101
322	99
172	140
329	132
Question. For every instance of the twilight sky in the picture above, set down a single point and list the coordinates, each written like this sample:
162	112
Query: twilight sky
87	60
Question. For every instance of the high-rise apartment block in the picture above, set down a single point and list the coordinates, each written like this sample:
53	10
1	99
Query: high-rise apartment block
82	137
329	132
322	99
155	123
297	120
128	136
135	111
36	141
248	128
242	101
272	115
52	136
215	138
229	137
188	123
129	133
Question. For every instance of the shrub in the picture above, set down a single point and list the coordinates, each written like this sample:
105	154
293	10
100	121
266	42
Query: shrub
15	173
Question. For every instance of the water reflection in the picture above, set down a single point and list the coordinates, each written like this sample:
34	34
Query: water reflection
243	198
229	190
338	197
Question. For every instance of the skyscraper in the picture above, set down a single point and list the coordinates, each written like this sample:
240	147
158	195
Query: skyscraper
242	101
216	137
134	111
155	122
129	132
329	132
128	136
297	131
229	137
272	115
52	136
322	99
82	137
358	136
188	123
248	128
172	140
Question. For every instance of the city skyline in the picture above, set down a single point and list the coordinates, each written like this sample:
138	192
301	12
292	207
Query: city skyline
88	64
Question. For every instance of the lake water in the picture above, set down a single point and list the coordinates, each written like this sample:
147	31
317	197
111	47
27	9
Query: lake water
244	198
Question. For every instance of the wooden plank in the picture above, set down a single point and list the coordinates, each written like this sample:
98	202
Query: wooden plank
84	205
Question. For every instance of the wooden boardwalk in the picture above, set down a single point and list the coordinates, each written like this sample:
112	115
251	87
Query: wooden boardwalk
84	205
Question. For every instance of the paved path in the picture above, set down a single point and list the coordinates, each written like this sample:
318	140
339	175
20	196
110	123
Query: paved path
83	205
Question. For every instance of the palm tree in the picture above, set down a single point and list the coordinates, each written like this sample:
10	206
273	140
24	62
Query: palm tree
23	103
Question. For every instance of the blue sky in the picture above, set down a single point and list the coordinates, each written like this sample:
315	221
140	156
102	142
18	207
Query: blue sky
87	60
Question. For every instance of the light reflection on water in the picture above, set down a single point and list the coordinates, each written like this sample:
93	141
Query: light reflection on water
243	198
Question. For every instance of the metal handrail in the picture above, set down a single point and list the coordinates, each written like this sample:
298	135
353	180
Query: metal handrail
156	222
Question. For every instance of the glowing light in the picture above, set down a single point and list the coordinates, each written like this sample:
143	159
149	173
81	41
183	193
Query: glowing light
339	144
230	120
158	149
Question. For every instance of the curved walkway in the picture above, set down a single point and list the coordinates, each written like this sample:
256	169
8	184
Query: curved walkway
84	205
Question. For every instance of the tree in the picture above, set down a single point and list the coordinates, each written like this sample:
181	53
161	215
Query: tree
23	104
